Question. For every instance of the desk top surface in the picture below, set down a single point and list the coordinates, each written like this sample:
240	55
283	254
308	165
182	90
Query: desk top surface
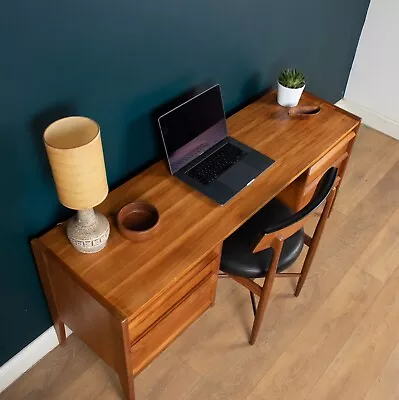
127	275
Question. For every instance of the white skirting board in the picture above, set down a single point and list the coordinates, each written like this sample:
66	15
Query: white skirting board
371	119
28	356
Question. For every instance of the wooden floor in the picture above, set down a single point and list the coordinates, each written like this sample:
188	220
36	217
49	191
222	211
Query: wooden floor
338	340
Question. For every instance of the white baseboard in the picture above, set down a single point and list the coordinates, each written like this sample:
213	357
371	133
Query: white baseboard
371	119
28	356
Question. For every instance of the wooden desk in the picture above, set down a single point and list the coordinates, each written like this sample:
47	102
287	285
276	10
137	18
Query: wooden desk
131	300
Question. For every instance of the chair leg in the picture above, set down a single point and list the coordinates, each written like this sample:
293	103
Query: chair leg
253	302
332	204
266	290
335	197
315	242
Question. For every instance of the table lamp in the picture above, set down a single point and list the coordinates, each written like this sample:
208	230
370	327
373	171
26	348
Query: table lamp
74	149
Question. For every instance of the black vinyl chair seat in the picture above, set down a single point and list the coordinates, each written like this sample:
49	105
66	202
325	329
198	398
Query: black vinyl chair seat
237	256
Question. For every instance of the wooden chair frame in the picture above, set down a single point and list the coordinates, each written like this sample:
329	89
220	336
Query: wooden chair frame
275	240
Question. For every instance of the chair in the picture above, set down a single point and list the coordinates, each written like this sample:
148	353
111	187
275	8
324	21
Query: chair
270	242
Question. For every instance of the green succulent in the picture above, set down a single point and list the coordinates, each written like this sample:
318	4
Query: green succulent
291	78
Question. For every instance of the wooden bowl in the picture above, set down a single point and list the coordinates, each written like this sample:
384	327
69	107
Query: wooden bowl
137	221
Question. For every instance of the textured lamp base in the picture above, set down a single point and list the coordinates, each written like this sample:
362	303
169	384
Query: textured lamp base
88	231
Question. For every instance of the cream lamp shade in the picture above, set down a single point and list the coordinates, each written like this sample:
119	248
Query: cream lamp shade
74	149
75	152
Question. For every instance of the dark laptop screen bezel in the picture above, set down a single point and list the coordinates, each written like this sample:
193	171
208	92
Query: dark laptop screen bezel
221	133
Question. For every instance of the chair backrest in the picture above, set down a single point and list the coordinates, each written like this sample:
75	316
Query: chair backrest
288	226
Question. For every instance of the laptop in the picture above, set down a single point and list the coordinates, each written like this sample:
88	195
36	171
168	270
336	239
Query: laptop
200	152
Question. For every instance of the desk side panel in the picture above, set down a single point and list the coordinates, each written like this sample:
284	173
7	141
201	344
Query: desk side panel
97	326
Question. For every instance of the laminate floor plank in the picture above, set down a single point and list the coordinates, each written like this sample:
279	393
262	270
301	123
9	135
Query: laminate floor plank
373	156
386	386
354	369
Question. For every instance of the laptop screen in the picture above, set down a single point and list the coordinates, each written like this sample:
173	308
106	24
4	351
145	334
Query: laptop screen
193	127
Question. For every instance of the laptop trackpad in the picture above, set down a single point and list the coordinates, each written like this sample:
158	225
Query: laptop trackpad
239	175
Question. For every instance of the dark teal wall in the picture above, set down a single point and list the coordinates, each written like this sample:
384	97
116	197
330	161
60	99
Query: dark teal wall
115	61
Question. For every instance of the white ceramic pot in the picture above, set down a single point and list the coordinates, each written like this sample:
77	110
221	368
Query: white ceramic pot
287	97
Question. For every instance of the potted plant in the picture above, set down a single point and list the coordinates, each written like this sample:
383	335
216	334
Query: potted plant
290	87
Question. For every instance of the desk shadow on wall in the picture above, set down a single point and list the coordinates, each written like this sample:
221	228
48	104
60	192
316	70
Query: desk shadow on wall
37	127
142	144
179	99
39	124
174	102
136	143
251	91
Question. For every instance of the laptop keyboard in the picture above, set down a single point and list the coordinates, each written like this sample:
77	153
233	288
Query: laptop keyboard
218	162
194	154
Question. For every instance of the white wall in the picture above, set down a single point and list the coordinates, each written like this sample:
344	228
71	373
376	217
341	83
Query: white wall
373	87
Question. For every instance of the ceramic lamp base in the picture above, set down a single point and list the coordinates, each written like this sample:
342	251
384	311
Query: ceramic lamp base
88	231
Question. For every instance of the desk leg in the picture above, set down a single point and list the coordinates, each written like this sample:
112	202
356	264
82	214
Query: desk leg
342	170
127	386
125	370
42	266
215	270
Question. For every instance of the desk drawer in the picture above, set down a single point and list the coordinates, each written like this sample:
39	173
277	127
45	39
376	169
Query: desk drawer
299	193
310	190
172	324
330	159
164	303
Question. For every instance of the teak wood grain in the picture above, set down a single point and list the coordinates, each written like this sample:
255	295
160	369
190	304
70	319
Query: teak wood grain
147	318
128	276
172	324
